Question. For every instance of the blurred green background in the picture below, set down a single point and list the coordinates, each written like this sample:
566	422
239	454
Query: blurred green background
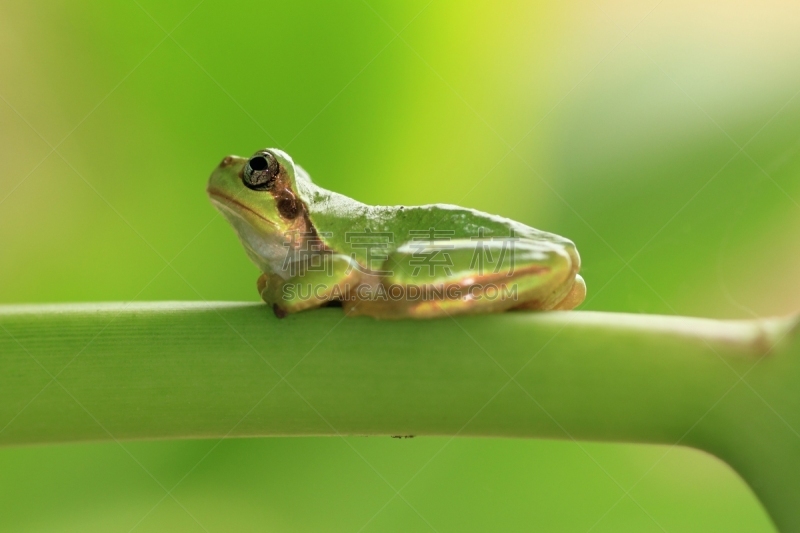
661	136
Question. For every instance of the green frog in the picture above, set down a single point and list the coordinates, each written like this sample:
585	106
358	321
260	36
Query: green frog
316	247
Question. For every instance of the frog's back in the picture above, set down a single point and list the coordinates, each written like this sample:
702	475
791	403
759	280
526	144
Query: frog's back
455	222
339	219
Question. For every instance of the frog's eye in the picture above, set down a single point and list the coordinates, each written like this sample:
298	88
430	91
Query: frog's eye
260	171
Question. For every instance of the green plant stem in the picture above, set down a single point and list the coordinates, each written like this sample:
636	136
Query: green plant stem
190	370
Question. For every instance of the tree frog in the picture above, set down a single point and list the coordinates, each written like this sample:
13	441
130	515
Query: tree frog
315	247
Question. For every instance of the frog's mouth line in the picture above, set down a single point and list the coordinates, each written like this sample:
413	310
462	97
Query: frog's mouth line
227	200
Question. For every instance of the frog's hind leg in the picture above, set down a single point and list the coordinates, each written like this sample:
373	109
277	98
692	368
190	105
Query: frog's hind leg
559	301
574	297
308	287
472	276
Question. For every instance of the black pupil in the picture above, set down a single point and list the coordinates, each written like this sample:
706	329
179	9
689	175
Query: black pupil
258	162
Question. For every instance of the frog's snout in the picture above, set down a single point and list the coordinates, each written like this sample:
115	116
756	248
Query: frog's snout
226	174
231	161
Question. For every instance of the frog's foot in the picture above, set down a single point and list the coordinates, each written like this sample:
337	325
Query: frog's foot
560	301
279	313
308	286
262	282
574	297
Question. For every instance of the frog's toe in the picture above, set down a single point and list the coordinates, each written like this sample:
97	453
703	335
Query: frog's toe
279	311
574	297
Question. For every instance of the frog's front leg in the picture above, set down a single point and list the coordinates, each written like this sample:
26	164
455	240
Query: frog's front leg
472	276
309	284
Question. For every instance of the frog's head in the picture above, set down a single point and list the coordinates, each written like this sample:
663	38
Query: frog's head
256	196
